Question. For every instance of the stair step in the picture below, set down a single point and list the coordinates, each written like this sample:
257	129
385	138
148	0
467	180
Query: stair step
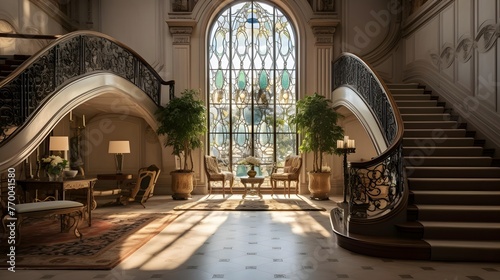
452	172
456	197
430	124
402	86
459	213
458	250
407	91
411	96
437	142
447	161
478	184
416	103
443	151
427	117
421	110
438	133
461	231
450	230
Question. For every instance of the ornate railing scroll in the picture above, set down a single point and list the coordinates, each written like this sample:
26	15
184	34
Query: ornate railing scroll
67	58
376	186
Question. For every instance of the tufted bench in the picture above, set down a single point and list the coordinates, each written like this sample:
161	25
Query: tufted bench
45	208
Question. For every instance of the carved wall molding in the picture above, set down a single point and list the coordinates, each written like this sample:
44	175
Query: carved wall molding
323	31
181	30
485	40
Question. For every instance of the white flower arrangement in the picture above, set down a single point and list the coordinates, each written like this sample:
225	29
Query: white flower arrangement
54	164
250	161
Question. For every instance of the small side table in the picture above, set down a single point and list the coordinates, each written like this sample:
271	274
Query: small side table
252	182
112	192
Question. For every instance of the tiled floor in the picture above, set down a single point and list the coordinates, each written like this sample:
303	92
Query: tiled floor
256	245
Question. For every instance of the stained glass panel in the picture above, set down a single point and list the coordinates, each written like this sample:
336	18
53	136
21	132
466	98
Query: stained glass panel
252	82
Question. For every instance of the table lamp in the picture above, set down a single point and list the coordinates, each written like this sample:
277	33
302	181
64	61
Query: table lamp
59	143
119	148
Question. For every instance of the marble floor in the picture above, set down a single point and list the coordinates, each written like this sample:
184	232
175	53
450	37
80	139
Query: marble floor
256	245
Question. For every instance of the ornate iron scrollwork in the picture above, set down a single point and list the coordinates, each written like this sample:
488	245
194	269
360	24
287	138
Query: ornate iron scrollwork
374	188
74	56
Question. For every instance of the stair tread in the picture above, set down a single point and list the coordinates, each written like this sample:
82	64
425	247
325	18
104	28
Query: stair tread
465	225
473	244
449	157
458	168
457	207
441	192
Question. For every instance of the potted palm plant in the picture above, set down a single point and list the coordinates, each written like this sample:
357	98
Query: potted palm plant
317	120
183	121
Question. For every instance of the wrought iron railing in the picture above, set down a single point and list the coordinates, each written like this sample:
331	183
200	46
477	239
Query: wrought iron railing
375	186
66	59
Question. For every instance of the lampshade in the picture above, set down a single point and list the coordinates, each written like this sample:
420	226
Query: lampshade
119	147
58	143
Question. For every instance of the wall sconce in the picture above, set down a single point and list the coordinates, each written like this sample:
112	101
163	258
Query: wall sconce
119	148
59	143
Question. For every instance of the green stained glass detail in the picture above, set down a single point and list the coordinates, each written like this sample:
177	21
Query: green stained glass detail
285	80
252	57
263	82
219	79
242	80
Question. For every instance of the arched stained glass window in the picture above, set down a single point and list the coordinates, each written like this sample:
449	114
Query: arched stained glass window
252	85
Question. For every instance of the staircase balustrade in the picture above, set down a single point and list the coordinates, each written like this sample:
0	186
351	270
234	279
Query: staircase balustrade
376	187
68	58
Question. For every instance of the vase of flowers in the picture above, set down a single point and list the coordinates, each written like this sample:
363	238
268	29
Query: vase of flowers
252	162
54	166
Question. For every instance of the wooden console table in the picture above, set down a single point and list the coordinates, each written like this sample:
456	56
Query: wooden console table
60	188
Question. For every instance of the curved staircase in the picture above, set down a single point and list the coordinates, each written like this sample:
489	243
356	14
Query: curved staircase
453	211
454	202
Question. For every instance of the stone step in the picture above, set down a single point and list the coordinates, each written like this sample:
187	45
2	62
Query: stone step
459	213
393	86
431	125
456	197
447	161
450	184
443	151
451	230
416	103
411	96
427	117
421	110
436	133
461	231
438	142
460	250
452	172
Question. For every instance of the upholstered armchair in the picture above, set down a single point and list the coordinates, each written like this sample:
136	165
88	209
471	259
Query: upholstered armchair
289	173
215	174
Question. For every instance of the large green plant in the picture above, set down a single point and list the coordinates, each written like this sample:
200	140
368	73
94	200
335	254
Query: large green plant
317	120
183	121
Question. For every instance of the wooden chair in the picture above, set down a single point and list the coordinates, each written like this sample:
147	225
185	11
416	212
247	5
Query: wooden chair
215	174
290	173
141	190
155	168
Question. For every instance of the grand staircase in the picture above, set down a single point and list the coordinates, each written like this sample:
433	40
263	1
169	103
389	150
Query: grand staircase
9	63
454	183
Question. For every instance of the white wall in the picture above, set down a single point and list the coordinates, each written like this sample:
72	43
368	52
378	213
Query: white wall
26	18
137	24
445	50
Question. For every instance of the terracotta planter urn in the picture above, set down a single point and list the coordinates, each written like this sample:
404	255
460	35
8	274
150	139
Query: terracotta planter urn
319	185
182	185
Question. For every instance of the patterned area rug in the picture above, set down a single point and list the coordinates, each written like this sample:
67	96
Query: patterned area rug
109	240
236	203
